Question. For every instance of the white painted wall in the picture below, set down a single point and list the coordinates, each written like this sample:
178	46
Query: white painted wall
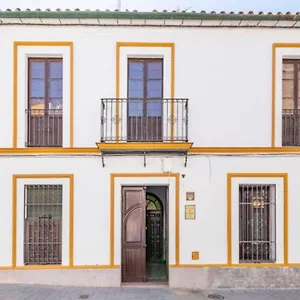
226	74
206	176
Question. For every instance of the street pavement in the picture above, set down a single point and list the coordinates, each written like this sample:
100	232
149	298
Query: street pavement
37	292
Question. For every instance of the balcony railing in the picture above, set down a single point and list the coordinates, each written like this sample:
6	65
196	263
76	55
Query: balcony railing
44	127
291	127
144	120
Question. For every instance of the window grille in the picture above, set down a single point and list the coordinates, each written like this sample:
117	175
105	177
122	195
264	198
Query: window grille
257	208
42	224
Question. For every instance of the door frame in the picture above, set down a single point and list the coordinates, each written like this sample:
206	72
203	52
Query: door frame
166	225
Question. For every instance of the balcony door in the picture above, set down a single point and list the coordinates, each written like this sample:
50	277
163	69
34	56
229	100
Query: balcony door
45	97
290	102
145	100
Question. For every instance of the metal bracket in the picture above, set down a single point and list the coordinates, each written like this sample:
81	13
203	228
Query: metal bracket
185	160
102	157
145	162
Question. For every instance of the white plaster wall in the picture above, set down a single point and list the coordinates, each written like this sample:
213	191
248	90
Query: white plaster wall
226	74
206	176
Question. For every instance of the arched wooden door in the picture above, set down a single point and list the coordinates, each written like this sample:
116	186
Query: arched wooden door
133	234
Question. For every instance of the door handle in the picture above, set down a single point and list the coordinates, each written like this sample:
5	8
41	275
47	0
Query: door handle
145	246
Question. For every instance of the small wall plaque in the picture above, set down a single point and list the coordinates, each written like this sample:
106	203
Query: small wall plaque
190	212
195	255
190	196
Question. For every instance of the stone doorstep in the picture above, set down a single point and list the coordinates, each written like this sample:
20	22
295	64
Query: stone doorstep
154	285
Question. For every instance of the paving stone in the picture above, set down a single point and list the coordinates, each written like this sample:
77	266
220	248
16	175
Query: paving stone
254	294
37	292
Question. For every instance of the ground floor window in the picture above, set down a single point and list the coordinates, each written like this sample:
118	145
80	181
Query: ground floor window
42	224
257	207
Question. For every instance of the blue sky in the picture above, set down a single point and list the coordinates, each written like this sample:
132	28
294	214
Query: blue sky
146	5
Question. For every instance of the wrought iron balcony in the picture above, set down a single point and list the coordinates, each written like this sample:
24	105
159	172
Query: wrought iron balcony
291	127
144	120
44	127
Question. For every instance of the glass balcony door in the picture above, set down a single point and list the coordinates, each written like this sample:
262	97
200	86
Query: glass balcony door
45	102
145	105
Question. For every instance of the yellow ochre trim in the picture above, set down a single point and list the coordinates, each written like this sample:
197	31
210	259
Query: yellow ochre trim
274	48
112	207
150	146
172	90
117	91
14	222
14	217
144	146
71	94
229	229
112	220
71	220
284	177
49	150
243	150
15	82
286	220
144	44
273	108
271	265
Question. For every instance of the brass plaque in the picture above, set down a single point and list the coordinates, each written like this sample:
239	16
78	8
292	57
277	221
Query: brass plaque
190	212
195	255
190	196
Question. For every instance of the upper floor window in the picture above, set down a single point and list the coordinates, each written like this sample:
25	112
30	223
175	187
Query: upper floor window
45	102
291	102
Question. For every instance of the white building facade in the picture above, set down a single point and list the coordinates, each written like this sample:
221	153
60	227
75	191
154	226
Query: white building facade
149	147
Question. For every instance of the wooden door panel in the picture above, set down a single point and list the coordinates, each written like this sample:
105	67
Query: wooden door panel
133	268
154	236
132	198
133	234
133	225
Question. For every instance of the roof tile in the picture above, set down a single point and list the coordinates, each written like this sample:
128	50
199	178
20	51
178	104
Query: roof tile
155	14
163	11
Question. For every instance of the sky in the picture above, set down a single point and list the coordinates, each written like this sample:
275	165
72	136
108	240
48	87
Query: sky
148	5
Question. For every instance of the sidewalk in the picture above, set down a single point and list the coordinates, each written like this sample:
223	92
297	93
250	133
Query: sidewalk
260	294
36	292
